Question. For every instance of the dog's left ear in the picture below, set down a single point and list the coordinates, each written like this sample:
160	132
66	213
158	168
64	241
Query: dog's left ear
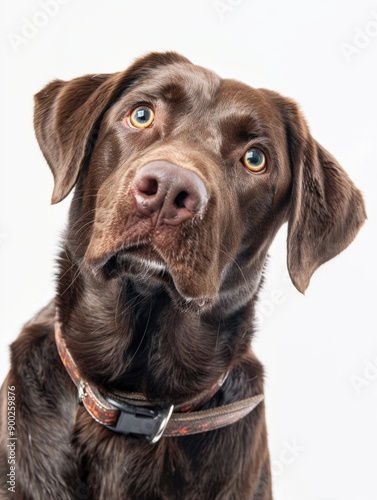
327	209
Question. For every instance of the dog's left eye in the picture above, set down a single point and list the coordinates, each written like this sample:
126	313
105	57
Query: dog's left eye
255	160
141	117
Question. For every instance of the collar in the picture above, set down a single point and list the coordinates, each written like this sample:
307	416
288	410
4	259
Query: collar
131	413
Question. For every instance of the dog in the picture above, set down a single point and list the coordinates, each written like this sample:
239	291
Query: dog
138	380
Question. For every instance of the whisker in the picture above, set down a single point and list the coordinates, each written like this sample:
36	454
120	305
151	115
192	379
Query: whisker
142	338
73	280
83	217
237	265
84	226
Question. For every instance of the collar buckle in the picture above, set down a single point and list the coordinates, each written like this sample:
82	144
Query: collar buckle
141	421
82	391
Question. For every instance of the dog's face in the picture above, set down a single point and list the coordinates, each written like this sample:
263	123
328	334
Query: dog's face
181	175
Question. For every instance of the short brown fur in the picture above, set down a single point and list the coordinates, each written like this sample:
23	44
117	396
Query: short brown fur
132	327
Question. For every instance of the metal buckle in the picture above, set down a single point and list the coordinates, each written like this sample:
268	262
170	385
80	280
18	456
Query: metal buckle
141	421
82	391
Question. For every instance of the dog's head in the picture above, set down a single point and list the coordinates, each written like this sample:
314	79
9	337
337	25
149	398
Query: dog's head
182	175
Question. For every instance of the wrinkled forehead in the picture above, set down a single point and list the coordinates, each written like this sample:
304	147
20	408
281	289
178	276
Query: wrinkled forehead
177	83
236	106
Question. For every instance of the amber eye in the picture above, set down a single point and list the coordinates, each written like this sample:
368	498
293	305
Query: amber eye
141	117
254	160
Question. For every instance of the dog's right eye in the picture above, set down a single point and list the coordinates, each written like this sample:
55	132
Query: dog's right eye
254	160
141	117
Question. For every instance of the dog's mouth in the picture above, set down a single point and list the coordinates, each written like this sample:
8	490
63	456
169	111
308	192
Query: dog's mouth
145	265
181	261
140	260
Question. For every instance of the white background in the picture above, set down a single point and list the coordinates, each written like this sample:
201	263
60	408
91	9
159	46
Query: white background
319	350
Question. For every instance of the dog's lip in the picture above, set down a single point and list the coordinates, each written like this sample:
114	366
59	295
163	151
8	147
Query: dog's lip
99	262
146	255
135	254
142	253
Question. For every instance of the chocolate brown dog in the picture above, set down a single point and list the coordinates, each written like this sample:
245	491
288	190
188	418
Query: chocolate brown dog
182	179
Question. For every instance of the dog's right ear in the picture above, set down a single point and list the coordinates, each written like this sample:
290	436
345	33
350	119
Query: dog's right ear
67	116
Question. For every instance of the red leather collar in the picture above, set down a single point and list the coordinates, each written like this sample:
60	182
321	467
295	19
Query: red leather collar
132	414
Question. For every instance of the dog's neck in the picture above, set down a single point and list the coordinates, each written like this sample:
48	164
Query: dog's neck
128	337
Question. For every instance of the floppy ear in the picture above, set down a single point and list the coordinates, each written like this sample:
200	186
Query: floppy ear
67	116
327	210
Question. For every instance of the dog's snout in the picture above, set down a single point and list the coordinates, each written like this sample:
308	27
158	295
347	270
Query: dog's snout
171	193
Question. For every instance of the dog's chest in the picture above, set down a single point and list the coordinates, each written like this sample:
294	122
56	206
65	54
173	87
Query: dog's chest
116	466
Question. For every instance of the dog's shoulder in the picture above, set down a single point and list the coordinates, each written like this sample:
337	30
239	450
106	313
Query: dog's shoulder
37	373
34	346
45	405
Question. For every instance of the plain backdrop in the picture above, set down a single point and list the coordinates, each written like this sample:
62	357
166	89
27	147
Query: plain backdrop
319	351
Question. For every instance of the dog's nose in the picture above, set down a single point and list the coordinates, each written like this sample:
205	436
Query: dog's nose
173	193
